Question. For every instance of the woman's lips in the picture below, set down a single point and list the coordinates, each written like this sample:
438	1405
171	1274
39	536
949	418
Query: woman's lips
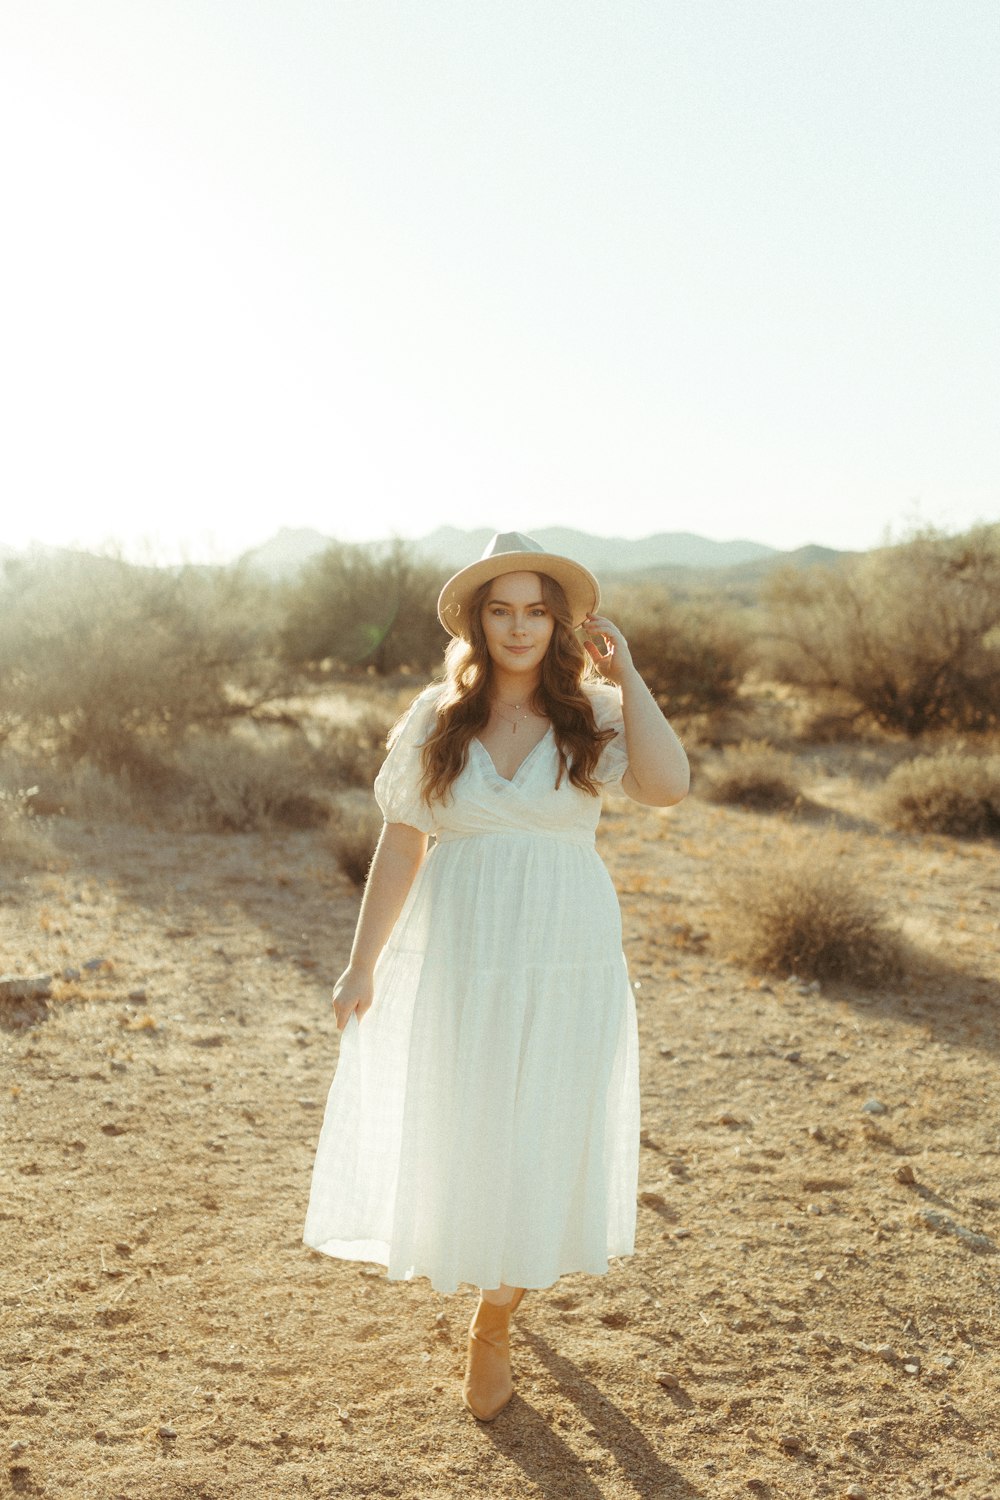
520	650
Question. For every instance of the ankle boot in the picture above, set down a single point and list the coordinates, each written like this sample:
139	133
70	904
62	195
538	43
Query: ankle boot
488	1386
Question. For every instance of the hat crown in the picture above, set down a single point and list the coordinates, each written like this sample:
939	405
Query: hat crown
510	541
512	552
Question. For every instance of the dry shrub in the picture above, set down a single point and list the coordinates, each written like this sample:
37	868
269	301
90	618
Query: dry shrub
365	606
752	776
806	913
22	841
828	719
693	656
951	792
113	663
233	786
353	838
349	755
911	633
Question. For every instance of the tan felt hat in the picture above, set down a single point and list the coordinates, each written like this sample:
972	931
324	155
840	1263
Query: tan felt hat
511	552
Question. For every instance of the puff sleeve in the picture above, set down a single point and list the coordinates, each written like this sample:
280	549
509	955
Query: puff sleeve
397	785
606	700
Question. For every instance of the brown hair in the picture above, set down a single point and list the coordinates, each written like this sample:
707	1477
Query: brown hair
463	706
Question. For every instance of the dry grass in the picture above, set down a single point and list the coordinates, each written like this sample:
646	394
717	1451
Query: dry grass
752	776
951	792
806	912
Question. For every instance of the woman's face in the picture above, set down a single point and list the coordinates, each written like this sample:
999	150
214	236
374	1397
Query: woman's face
517	623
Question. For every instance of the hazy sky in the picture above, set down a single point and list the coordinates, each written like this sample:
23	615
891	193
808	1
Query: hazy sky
725	266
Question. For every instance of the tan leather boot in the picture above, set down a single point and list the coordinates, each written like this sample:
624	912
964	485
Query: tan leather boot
488	1386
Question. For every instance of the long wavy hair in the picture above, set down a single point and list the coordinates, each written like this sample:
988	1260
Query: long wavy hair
463	706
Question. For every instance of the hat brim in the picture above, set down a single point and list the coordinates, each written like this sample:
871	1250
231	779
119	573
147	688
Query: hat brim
581	588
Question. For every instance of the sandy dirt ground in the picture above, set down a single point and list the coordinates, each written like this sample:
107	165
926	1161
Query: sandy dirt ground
812	1309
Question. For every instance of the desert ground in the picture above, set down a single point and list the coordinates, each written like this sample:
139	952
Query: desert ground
812	1308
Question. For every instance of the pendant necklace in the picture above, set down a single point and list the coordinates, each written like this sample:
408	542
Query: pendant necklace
512	722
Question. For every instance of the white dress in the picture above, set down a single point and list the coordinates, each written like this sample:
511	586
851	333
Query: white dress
483	1122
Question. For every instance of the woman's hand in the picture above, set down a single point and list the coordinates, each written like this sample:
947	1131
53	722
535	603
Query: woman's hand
616	659
352	993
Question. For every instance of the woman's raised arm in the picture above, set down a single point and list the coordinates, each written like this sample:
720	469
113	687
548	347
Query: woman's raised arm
658	773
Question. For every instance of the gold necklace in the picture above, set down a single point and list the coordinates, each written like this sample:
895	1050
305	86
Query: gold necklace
512	722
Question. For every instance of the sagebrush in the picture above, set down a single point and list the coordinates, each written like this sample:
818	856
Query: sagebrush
692	656
752	776
111	662
364	607
805	912
910	632
951	792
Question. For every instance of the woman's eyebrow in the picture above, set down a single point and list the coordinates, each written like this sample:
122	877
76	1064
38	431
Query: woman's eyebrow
536	604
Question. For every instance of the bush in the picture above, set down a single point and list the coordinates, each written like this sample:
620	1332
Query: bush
353	839
752	776
693	657
114	663
952	793
22	842
235	787
807	914
351	754
910	632
365	607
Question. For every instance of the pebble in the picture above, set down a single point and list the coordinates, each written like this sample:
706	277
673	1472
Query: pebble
856	1492
95	963
905	1174
70	974
790	1442
874	1107
793	1057
668	1381
17	1447
728	1119
941	1224
25	986
137	997
166	1432
886	1352
912	1365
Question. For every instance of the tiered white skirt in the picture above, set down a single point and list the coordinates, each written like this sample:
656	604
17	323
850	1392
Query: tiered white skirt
483	1122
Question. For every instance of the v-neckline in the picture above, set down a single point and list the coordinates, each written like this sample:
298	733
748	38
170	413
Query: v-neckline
509	780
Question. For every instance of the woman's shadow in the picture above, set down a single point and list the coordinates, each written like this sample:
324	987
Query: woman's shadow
530	1441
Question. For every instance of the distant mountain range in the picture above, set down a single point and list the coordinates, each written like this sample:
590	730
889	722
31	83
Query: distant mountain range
289	550
680	560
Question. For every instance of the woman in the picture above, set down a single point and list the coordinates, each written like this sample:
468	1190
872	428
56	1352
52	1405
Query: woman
483	1122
